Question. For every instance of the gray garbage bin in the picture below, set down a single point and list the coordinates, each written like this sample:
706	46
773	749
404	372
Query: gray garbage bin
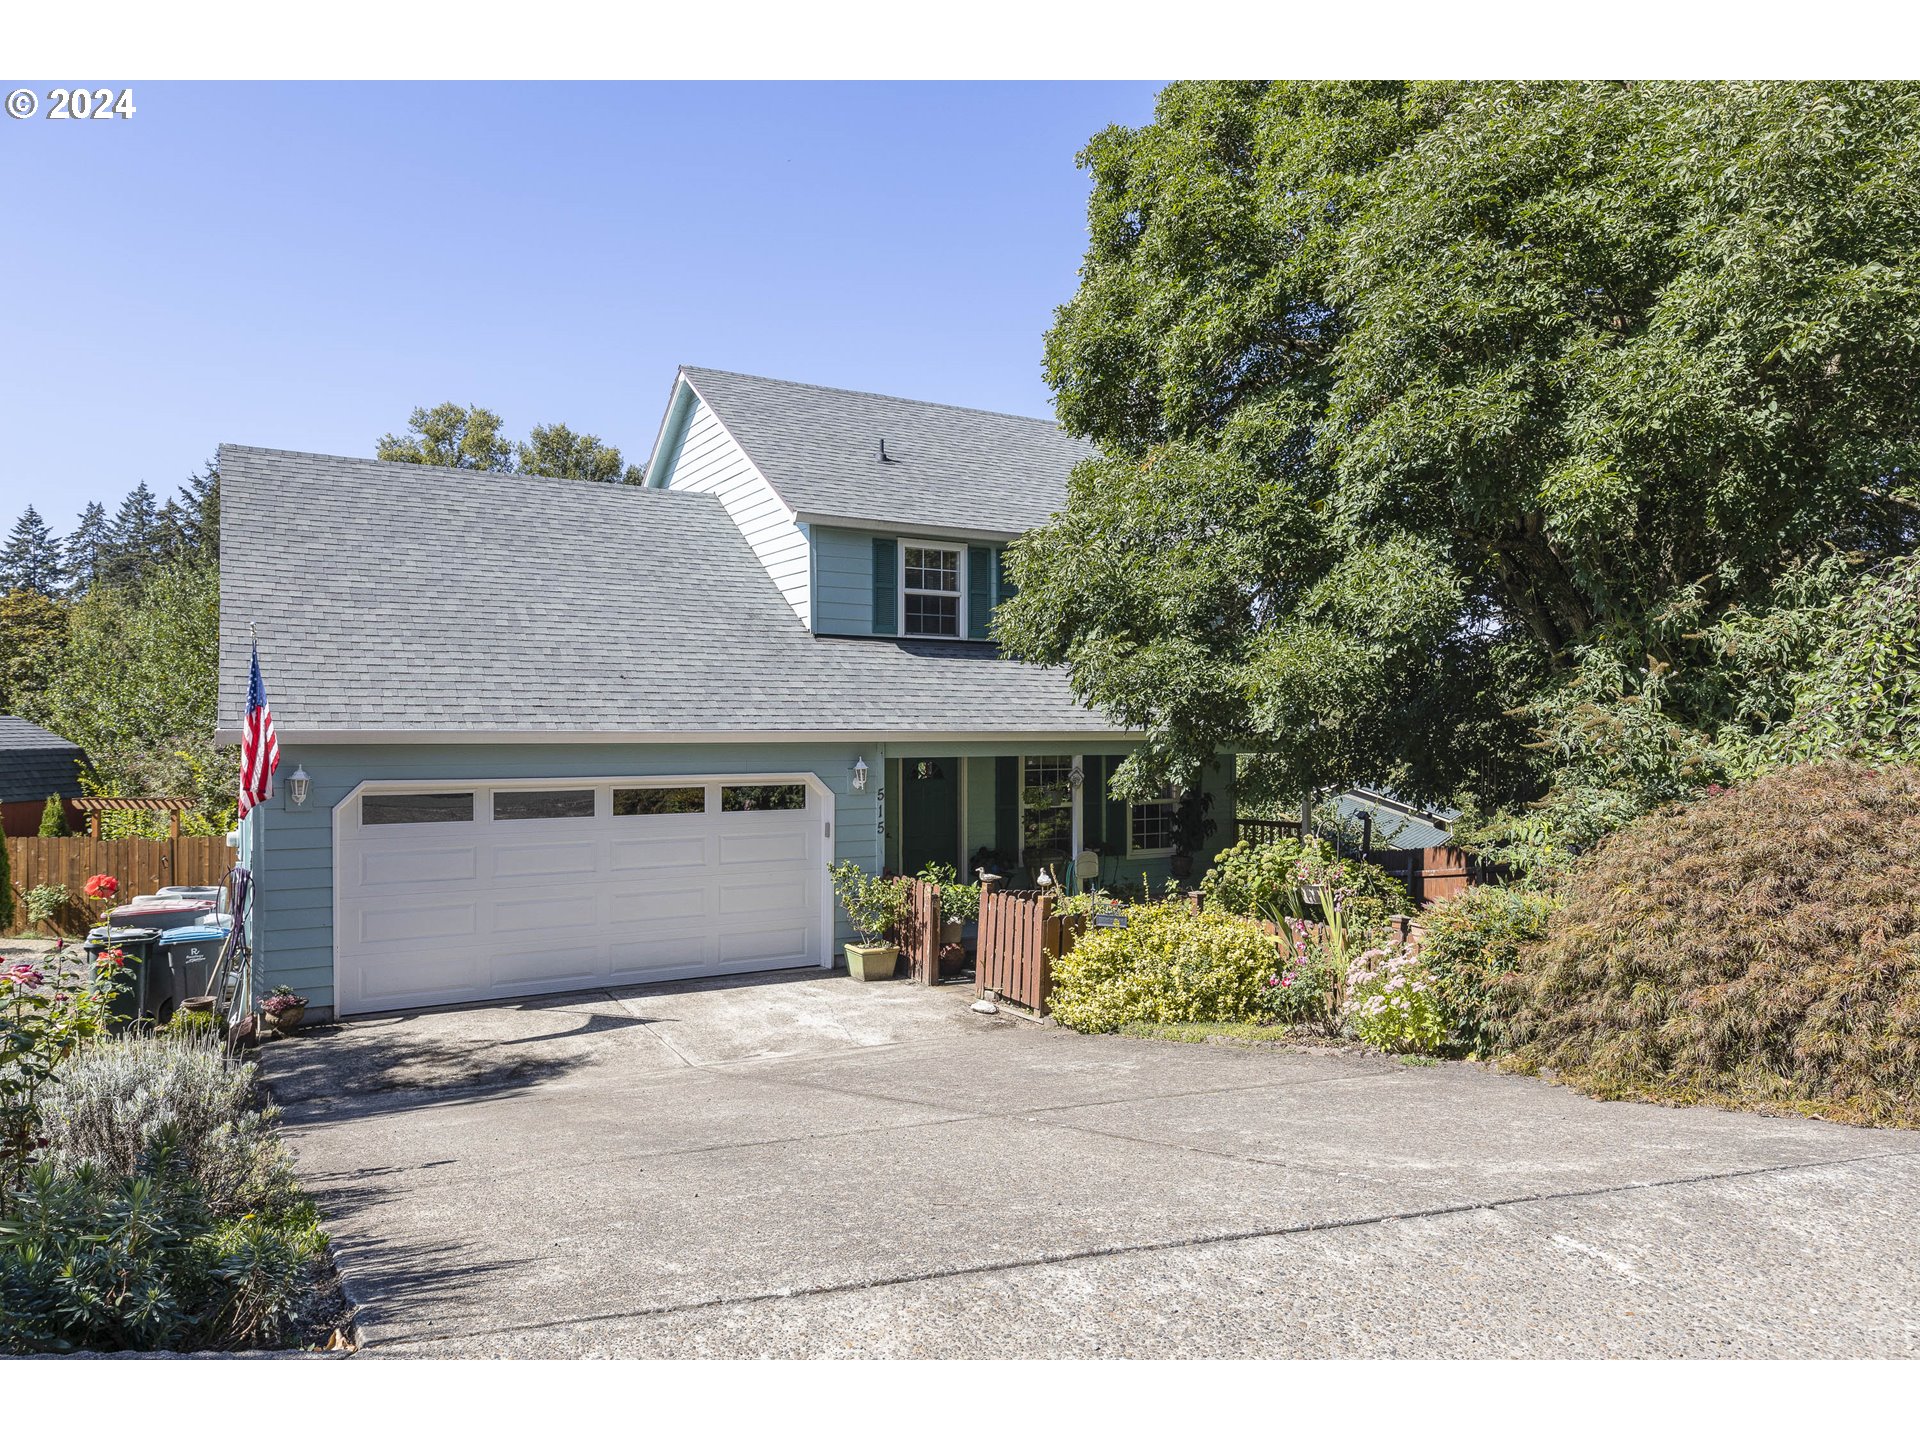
184	960
136	943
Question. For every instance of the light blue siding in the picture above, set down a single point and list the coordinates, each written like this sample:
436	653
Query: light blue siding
842	581
291	850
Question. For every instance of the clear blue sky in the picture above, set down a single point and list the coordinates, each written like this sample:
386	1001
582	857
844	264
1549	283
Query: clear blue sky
300	265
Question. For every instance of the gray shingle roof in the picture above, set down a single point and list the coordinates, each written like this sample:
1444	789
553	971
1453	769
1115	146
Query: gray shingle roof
404	597
35	763
820	450
1395	826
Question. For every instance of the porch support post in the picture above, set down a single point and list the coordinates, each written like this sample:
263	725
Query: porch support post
1079	824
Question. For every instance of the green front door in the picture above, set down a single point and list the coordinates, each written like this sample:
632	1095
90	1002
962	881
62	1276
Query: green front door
929	814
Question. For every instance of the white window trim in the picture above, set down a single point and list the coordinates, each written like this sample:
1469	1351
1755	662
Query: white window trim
959	552
1159	852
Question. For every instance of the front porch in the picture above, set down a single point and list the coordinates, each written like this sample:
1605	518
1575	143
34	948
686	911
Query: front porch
1022	815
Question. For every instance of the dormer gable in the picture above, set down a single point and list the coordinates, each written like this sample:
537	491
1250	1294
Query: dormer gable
875	515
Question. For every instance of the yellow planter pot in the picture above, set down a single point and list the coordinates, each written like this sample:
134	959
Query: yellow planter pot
872	962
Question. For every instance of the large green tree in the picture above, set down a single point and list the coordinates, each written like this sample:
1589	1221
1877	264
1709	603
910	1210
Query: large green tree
468	438
137	688
1418	404
460	437
556	450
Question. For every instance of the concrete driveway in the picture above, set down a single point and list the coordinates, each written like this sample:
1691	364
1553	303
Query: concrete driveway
812	1167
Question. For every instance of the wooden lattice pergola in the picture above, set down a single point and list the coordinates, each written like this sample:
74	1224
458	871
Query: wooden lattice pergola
94	806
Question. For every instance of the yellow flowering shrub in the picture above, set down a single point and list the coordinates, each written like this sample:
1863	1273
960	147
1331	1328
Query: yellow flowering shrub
1166	965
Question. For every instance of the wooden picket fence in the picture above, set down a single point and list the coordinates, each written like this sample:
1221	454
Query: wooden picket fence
1020	938
1438	872
141	867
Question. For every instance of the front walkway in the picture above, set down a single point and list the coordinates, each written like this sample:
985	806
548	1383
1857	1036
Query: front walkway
809	1167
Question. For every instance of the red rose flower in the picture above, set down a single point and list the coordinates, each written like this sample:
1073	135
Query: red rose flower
101	887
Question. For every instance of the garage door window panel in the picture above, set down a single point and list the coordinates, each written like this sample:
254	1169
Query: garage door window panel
543	805
661	800
763	797
416	809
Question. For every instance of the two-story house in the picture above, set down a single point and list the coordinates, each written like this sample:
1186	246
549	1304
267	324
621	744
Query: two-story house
542	735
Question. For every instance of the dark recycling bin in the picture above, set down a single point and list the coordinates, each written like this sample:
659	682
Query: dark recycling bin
137	944
182	968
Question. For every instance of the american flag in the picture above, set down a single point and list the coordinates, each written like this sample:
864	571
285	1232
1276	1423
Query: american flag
259	751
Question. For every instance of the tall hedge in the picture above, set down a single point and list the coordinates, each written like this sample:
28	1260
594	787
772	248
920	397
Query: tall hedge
1759	947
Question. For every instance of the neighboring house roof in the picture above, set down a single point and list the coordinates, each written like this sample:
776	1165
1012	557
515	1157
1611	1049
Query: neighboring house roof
406	598
946	467
36	763
1397	825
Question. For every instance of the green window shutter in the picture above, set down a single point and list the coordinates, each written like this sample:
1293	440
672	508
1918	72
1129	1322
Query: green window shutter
1093	814
979	591
886	585
1003	586
1122	840
1006	805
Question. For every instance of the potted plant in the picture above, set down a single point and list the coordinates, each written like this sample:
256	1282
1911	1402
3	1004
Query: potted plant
875	904
284	1009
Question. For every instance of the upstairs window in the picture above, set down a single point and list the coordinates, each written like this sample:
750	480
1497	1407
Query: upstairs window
930	590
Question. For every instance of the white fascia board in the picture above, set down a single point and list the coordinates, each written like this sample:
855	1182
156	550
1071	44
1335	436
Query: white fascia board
668	430
893	527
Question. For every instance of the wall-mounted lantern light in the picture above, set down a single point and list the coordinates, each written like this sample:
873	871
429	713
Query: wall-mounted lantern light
860	774
297	784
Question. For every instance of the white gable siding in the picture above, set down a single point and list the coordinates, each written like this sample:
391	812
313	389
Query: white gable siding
708	461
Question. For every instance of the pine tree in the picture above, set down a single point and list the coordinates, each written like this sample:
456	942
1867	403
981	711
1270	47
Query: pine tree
87	548
200	500
173	532
31	559
133	540
53	819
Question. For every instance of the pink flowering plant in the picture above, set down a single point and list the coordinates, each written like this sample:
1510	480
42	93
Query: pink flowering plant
1393	1003
1300	989
43	1020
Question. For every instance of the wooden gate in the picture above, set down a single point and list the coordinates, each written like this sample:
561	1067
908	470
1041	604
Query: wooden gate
920	932
1020	938
141	867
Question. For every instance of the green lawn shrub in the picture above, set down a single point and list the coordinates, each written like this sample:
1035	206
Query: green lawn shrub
1265	880
1759	947
119	1100
161	1212
93	1261
1471	941
1168	965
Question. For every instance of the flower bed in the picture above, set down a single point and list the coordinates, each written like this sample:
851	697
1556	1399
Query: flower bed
146	1201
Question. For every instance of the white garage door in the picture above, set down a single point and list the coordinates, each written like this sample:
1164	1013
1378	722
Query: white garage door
449	892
